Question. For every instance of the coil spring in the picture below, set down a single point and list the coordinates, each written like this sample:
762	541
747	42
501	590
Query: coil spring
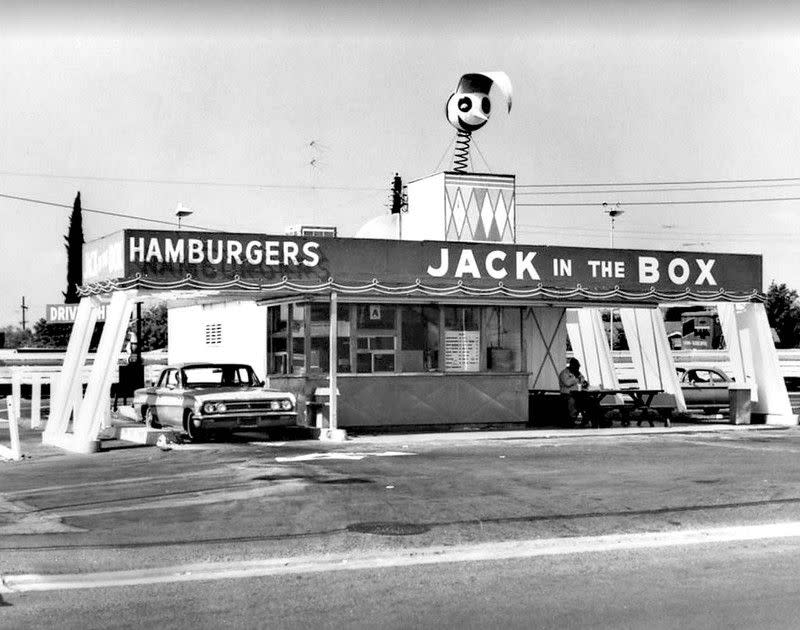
461	153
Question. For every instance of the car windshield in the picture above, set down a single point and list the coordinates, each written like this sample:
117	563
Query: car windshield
219	376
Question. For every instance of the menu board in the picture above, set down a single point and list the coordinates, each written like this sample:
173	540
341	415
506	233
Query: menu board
462	350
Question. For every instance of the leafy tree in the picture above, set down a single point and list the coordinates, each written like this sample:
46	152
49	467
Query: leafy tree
783	313
16	337
74	244
154	328
50	335
55	335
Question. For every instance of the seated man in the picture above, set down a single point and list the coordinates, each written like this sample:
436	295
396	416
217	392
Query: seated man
571	382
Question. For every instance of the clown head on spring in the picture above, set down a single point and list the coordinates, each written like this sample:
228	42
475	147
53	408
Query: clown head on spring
469	107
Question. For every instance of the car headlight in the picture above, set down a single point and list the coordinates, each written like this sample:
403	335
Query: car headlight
275	405
221	408
209	407
286	404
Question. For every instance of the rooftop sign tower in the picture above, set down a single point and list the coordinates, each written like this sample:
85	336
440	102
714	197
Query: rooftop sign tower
458	205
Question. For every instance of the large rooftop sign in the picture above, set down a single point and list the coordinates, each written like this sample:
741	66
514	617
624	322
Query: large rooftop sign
202	260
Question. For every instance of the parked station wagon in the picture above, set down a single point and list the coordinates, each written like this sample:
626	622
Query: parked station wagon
213	397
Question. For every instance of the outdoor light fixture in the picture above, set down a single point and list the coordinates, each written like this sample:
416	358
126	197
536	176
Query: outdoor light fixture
181	212
613	213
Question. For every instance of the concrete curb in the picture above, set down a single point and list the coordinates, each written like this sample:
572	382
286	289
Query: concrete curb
549	434
139	435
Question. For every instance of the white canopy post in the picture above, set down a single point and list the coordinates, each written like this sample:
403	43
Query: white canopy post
755	360
62	387
650	352
590	346
333	432
333	364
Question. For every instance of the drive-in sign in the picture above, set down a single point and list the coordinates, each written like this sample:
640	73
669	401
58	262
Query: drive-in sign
215	258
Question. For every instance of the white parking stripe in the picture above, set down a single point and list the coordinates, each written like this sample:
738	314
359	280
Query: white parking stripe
510	550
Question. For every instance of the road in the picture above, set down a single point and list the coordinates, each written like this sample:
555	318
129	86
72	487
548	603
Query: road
718	586
376	507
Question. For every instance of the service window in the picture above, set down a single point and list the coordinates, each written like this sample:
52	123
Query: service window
319	326
278	339
419	339
462	339
502	327
376	338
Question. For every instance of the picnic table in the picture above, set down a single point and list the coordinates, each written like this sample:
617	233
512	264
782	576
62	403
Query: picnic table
637	399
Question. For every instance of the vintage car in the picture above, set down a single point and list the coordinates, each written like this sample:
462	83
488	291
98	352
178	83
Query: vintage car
705	387
213	397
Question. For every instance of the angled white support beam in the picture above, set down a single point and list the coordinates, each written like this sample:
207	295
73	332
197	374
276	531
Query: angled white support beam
737	342
755	360
590	346
90	415
650	352
63	387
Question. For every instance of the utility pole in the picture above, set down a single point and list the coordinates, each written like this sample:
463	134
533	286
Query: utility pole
24	310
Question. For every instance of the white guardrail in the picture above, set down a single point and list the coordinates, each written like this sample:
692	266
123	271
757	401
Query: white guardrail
789	361
35	377
14	451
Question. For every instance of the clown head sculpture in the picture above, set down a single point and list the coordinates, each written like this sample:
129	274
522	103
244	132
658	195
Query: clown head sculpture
470	107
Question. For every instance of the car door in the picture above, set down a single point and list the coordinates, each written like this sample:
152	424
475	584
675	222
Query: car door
704	387
169	399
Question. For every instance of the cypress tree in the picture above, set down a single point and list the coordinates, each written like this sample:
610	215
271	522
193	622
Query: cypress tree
74	244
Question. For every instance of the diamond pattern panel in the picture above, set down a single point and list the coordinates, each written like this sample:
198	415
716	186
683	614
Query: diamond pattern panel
479	213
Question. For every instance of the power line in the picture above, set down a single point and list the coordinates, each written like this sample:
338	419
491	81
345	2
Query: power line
658	203
663	230
650	190
103	212
667	236
664	183
180	182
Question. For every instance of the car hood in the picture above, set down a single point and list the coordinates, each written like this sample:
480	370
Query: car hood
237	393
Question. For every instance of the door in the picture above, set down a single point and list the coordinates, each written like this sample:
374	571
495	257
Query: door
704	388
169	398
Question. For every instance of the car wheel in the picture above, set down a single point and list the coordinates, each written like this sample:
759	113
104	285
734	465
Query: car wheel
196	434
150	419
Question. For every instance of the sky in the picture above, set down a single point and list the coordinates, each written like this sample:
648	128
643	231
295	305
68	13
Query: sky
223	107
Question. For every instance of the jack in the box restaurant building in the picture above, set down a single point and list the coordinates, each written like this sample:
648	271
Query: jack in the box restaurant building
445	320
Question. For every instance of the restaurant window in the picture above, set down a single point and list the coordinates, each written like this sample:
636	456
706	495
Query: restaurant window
278	339
462	339
502	338
319	348
376	338
419	339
